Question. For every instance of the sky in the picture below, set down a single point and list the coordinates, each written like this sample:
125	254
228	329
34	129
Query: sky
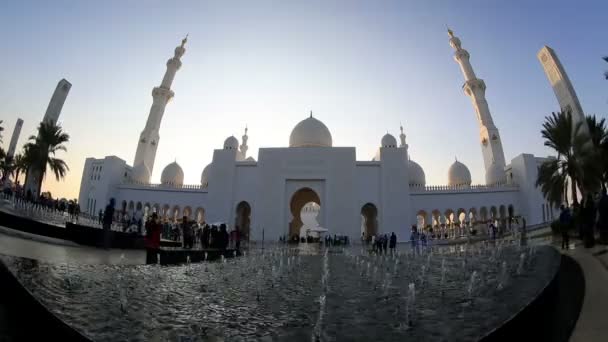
362	67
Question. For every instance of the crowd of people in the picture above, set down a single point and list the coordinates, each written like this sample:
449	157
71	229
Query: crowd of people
45	201
585	219
381	242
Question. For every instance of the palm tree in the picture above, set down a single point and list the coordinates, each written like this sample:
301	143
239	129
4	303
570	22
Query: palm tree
572	167
20	166
7	165
598	132
40	152
605	58
1	130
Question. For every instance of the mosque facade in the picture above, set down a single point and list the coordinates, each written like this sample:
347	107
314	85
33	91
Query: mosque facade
264	197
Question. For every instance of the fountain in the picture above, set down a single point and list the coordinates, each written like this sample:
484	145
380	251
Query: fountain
410	306
442	281
502	280
286	293
471	287
522	261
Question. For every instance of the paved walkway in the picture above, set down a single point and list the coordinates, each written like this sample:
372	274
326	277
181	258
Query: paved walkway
16	243
592	324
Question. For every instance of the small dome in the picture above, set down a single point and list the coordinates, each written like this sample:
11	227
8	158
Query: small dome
495	175
416	173
310	133
231	143
388	141
459	175
172	175
141	173
205	176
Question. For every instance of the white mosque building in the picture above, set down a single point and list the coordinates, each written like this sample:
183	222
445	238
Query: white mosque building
264	197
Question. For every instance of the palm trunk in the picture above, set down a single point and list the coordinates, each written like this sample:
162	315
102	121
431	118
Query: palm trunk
574	194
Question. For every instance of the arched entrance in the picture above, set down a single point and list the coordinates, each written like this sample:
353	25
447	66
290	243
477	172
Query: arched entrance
242	222
299	199
369	218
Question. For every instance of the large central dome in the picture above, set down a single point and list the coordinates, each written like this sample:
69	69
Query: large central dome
310	133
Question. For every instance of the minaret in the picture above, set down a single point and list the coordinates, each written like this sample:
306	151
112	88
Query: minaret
562	87
149	137
402	137
244	146
56	104
15	138
475	88
33	179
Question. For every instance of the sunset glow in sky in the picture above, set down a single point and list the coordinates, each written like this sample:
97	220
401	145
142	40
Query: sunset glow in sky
362	67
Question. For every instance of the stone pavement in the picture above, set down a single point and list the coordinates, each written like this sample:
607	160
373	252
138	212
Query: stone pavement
592	324
33	246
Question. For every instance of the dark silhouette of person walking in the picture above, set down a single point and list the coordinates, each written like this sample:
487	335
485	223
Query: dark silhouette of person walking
565	220
393	242
588	214
602	222
108	216
153	229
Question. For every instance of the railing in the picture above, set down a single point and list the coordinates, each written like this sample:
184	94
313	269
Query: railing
462	188
163	186
50	215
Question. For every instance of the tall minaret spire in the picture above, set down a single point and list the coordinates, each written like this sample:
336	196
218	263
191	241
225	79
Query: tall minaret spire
149	137
244	146
475	88
402	137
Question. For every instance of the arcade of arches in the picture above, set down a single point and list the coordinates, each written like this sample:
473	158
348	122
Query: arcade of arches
465	217
166	212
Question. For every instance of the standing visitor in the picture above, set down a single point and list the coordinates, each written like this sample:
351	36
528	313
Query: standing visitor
107	217
602	223
153	228
100	216
384	243
564	224
139	215
524	232
224	237
186	232
77	212
237	239
588	214
393	242
205	236
414	237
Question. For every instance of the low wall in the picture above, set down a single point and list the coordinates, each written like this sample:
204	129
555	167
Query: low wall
552	314
90	236
29	319
31	226
77	233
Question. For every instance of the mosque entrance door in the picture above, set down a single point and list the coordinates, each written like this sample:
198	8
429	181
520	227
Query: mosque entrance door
369	221
299	200
243	220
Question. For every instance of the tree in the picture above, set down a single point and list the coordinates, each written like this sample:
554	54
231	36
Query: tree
1	130
573	166
40	152
605	58
598	165
20	166
7	165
